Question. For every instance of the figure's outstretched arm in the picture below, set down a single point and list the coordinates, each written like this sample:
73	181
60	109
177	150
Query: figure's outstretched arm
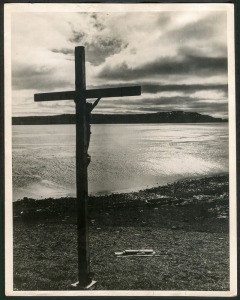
95	103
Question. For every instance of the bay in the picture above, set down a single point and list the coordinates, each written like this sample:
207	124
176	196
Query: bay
125	157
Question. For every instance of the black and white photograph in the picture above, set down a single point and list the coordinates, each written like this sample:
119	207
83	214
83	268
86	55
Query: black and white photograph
120	150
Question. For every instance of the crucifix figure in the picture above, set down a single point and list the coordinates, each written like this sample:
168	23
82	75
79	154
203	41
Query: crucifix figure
90	107
83	113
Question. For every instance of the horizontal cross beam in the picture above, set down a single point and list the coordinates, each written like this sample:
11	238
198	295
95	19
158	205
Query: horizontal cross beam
114	92
68	95
95	93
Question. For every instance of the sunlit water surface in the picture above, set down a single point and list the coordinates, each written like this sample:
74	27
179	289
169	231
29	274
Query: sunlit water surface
124	157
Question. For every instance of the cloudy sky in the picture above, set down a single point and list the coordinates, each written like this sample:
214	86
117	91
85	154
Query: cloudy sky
178	57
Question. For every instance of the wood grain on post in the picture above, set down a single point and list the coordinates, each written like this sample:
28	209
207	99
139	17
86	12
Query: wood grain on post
81	168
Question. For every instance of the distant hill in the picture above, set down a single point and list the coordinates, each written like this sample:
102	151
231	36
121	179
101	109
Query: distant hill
159	117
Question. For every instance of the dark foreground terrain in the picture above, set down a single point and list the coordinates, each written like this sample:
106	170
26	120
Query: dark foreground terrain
186	223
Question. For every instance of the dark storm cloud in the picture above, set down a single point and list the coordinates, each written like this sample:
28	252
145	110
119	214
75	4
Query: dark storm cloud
77	36
182	101
28	77
96	23
171	101
201	107
186	88
166	66
186	51
163	18
98	47
200	29
28	71
65	51
102	47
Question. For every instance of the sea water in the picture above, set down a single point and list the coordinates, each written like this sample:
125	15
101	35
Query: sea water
126	157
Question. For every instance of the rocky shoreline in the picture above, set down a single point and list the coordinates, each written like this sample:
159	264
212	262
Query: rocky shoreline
206	190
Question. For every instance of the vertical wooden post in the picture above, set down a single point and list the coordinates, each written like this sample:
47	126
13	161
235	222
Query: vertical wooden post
81	168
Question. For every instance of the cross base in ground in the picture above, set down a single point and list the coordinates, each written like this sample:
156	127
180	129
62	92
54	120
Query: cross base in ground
77	286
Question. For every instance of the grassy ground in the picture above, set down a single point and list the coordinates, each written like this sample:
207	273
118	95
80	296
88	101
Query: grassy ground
186	223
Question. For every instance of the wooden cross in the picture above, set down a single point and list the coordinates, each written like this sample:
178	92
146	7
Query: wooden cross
79	96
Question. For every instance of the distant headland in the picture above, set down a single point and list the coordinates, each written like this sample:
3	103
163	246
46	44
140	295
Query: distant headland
158	117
